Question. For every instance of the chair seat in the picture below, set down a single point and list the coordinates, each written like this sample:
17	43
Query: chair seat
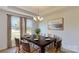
56	48
34	50
52	50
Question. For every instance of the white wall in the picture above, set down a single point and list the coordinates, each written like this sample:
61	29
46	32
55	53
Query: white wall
3	30
70	35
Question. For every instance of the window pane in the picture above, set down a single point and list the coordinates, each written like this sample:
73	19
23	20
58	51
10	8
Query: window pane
29	26
15	28
29	23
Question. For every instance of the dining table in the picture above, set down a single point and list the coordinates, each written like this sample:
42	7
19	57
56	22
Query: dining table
42	42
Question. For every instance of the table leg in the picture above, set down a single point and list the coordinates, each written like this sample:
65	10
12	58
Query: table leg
42	50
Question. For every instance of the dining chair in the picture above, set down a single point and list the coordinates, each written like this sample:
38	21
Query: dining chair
56	47
31	44
17	43
51	46
26	48
52	36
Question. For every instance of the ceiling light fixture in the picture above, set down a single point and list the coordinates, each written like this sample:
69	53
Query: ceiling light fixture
38	17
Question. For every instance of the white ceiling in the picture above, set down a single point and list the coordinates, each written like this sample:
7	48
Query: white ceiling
43	10
31	11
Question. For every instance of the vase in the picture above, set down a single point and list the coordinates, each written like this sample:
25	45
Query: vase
37	37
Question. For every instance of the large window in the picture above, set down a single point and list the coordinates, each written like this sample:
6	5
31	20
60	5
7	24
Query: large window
18	26
15	28
30	26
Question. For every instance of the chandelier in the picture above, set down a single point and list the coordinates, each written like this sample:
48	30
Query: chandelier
38	17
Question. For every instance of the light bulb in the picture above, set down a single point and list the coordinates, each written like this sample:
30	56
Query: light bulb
35	18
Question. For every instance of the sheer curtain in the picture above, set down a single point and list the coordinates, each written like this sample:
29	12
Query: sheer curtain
43	27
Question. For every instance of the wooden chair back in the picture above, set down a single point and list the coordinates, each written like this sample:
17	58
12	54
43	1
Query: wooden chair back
25	47
17	42
59	44
55	40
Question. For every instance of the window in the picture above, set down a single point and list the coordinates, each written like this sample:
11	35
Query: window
29	26
43	28
15	28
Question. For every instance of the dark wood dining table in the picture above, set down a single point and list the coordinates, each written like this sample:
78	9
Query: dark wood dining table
41	42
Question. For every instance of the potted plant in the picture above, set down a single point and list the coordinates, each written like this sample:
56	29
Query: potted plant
37	32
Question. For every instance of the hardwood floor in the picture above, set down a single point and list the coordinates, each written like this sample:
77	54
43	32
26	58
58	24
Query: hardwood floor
10	50
13	50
